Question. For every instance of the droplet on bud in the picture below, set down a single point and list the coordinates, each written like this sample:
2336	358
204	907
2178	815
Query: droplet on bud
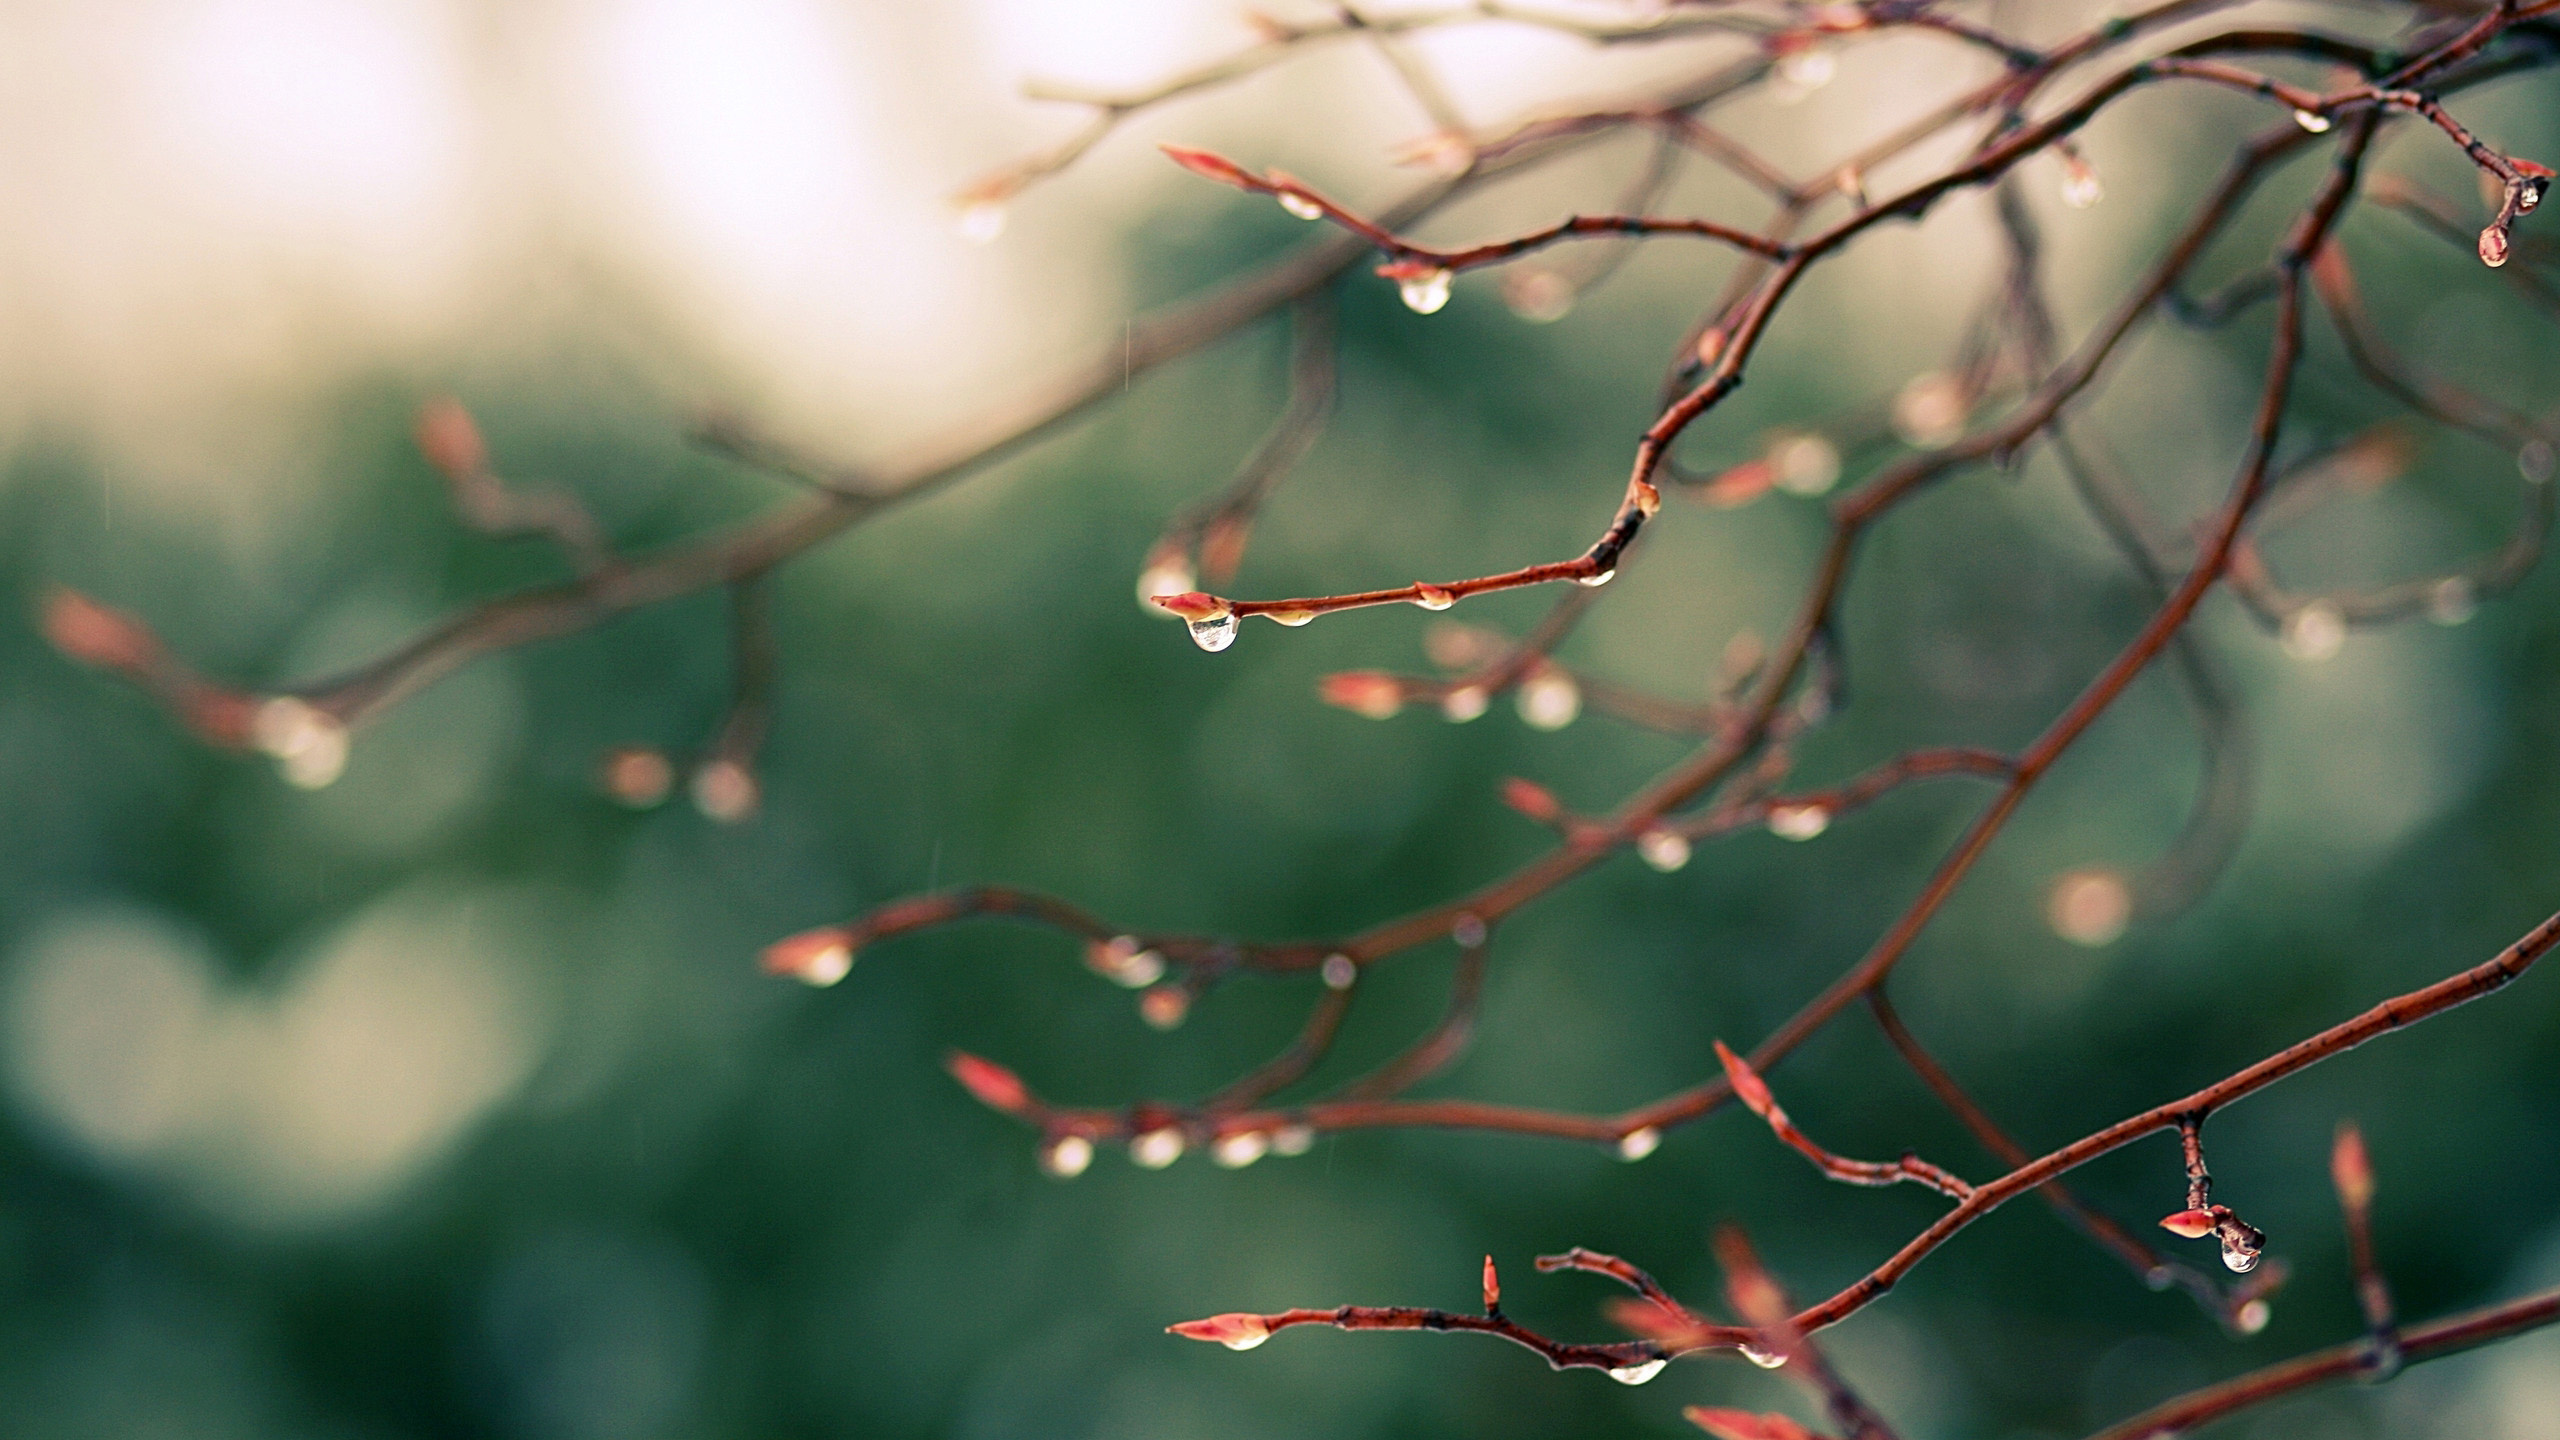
2312	121
1236	1332
2238	1258
1067	1156
726	791
2317	631
1638	1143
1639	1372
1339	972
1549	699
1465	703
2081	187
813	957
1664	850
2493	246
1157	1148
981	221
2452	600
2252	1316
1432	597
1165	1007
1804	464
1596	578
1765	1359
1291	618
1300	206
1293	1140
1214	631
1468	929
1236	1151
308	744
1123	960
2089	907
1165	575
636	776
1799	822
1540	297
1426	293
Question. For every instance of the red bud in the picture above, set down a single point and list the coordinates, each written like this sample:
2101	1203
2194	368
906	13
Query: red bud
2190	1224
994	1086
1208	164
93	634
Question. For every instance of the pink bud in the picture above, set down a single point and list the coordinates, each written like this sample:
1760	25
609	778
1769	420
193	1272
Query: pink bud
1492	1286
2190	1224
1531	799
450	438
819	957
93	634
1373	693
2350	1167
1208	164
1236	1331
994	1086
1190	604
1748	1087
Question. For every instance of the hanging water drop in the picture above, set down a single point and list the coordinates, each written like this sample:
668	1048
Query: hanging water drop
1549	699
1156	1148
1465	703
1664	850
1339	972
1426	293
2493	246
1798	822
1293	1140
1292	618
1432	597
1639	1372
981	222
2317	631
1066	1156
1638	1143
1214	631
2312	121
2081	187
1236	1151
308	744
2238	1258
1597	578
1300	206
1765	1359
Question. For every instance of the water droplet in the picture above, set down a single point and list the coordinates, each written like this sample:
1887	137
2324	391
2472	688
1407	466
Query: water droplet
1541	297
2493	246
1597	578
637	777
1339	972
2534	461
1664	850
1214	631
2089	907
825	965
1637	1144
726	791
981	222
1124	961
1300	206
1066	1156
1798	822
1468	929
1246	1338
1426	293
2452	601
1465	703
1929	411
1157	1148
2312	120
1639	1372
1165	1007
2317	631
1765	1359
1291	618
1805	464
1236	1151
1293	1140
2238	1259
1432	597
1549	699
308	744
2252	1316
2081	187
2529	193
1173	576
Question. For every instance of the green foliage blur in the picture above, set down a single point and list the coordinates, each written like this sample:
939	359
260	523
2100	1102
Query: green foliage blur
449	1101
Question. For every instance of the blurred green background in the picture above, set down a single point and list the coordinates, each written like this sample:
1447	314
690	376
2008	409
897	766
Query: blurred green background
448	1100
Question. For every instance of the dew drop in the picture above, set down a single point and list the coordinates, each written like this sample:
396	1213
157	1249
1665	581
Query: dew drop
2493	246
1066	1156
1157	1148
2252	1316
2452	600
1638	1143
1236	1151
1799	822
1664	850
1465	703
726	791
1293	1140
1426	293
2081	187
1339	972
1215	631
2317	631
1165	577
1639	1372
1765	1359
2238	1260
637	777
1291	618
308	744
1123	960
981	222
1597	578
1300	206
1467	929
1549	699
1805	464
2089	907
1246	1339
2312	121
1432	597
825	965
